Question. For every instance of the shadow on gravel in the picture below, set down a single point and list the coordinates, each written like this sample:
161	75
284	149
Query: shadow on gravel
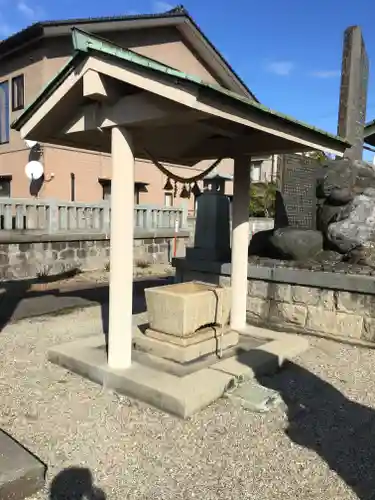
75	483
323	420
19	300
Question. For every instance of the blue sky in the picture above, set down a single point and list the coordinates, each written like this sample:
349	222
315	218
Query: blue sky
288	52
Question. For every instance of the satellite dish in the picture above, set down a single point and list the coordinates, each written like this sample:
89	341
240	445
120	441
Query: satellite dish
34	170
30	144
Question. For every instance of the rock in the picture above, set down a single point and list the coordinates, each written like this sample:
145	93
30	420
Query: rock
260	244
336	175
328	257
369	192
340	196
364	169
328	213
297	244
365	177
358	228
363	255
323	260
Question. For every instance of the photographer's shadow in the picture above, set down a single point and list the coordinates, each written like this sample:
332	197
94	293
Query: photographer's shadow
322	419
75	483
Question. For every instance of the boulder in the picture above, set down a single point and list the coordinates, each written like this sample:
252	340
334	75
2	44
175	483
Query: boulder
328	257
336	176
297	244
363	255
358	228
340	196
328	213
369	192
260	244
365	176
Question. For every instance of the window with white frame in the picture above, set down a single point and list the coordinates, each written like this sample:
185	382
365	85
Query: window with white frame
256	171
168	199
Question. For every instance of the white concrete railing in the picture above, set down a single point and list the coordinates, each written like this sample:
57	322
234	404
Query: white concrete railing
51	216
257	224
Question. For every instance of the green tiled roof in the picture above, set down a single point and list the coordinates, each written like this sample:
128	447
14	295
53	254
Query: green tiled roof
369	125
85	43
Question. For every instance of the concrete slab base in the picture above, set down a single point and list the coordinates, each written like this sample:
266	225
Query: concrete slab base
179	395
21	473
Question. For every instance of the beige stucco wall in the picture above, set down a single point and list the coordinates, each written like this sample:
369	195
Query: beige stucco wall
30	64
162	44
41	64
89	167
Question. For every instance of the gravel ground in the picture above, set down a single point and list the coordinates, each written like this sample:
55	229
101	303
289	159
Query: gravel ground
101	276
318	446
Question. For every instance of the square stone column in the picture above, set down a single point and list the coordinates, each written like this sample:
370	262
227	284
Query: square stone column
121	252
240	241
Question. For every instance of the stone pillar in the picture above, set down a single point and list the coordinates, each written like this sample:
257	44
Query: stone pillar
240	241
121	254
212	226
353	91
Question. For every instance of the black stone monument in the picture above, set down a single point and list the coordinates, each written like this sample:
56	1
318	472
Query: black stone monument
353	91
296	203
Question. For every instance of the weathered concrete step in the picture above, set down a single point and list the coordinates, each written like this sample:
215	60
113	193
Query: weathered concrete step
254	397
21	473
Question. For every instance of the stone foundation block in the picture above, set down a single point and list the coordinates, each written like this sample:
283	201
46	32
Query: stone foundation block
368	330
181	309
313	297
185	354
281	312
257	308
335	323
358	303
280	292
224	281
258	289
200	336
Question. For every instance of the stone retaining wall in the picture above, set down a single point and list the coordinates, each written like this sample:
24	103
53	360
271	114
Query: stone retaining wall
346	313
27	256
313	310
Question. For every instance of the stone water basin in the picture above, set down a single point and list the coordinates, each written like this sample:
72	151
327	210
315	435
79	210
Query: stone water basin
183	308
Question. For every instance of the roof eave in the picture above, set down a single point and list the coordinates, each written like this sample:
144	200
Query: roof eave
322	137
216	94
369	133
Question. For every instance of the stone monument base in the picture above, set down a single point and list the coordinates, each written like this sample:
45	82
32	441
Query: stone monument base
192	361
187	322
205	342
200	336
152	380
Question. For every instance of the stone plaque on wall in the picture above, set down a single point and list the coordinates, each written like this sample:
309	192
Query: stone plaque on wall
296	204
353	90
